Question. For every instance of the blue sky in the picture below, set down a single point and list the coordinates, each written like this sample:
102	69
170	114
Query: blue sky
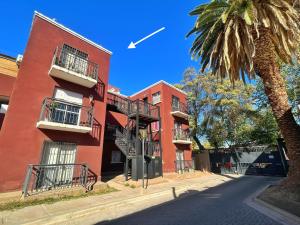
114	24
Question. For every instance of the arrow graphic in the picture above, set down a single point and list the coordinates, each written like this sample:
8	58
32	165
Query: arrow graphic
133	44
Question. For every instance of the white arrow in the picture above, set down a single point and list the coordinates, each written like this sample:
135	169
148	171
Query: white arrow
133	44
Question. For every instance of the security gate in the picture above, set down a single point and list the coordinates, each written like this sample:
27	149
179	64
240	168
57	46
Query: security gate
258	160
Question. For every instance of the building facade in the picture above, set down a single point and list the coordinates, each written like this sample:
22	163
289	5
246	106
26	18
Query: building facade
168	135
56	112
62	124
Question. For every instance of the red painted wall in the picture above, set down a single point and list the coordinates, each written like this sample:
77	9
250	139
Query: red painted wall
169	149
20	140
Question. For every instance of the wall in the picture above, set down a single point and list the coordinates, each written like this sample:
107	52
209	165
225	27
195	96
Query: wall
6	85
21	142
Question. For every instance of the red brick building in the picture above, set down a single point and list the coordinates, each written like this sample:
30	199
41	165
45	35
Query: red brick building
65	125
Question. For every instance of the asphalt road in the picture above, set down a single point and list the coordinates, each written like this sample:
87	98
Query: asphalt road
221	205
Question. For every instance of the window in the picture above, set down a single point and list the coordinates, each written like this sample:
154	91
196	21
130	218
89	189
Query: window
155	126
61	111
156	98
68	96
175	103
3	108
74	59
57	153
115	157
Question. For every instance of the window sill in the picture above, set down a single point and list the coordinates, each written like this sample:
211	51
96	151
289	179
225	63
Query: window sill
156	102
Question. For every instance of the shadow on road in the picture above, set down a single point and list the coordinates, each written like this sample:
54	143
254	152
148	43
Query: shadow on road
187	201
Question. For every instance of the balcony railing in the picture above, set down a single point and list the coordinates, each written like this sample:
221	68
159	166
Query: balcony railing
40	178
180	109
61	115
144	109
181	136
72	67
184	166
120	103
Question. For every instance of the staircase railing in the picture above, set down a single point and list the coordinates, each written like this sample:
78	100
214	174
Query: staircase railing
130	143
40	178
119	102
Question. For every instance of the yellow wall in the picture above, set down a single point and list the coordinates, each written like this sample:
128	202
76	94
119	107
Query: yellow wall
8	67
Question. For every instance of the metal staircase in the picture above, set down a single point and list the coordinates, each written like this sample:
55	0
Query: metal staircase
124	144
140	115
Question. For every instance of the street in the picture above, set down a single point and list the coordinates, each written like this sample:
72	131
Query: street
220	205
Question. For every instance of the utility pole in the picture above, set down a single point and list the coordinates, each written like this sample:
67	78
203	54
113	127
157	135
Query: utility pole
143	135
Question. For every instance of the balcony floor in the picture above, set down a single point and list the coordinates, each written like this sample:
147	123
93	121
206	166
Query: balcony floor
71	76
62	127
182	142
180	114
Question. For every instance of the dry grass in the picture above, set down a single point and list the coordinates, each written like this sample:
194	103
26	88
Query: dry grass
280	197
17	204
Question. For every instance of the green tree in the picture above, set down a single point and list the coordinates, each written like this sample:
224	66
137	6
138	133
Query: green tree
196	101
228	113
245	37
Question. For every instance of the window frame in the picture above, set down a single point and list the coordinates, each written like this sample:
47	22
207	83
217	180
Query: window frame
154	97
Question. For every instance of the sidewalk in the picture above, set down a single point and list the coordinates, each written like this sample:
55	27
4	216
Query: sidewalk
109	206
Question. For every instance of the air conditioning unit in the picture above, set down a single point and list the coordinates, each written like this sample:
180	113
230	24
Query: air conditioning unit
19	59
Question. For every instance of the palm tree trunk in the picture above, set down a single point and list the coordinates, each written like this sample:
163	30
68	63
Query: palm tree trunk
266	67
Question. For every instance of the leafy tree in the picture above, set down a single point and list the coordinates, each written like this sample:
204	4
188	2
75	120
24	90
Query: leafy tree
239	38
196	101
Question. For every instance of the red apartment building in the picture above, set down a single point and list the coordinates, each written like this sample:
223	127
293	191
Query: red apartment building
56	112
167	135
63	125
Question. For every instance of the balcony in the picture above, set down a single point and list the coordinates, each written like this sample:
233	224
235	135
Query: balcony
180	110
181	136
74	68
144	110
65	116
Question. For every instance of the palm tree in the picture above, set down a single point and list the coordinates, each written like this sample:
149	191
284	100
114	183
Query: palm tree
245	38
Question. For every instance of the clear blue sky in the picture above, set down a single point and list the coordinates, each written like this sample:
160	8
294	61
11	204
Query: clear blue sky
114	24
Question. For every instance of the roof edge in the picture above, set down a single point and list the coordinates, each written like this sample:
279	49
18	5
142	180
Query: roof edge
11	58
114	93
159	82
40	15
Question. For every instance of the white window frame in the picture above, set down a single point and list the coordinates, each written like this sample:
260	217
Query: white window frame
156	98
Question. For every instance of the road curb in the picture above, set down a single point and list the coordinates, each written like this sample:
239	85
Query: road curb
271	211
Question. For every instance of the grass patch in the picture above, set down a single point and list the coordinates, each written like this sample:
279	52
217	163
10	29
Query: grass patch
50	200
126	185
132	186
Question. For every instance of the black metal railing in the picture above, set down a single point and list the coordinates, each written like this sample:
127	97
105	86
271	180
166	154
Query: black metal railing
184	165
59	111
121	103
152	148
68	59
181	134
144	108
180	106
40	178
